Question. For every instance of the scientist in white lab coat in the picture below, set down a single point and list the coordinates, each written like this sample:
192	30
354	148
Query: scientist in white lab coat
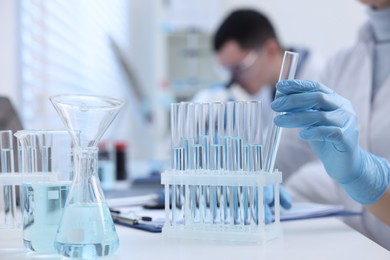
359	177
247	47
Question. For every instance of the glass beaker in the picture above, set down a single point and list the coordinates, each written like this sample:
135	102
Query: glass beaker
86	229
48	154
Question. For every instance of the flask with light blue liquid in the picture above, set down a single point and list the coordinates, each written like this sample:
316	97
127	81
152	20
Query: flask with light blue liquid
86	229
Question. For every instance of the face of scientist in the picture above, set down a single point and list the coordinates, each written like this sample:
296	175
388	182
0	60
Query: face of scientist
251	68
378	4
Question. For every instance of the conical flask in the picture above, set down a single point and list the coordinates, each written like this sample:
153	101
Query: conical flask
86	228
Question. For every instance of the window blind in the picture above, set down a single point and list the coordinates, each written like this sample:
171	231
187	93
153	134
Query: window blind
65	48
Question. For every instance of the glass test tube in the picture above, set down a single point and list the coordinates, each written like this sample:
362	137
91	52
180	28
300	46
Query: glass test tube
251	157
201	151
7	192
217	111
177	158
186	142
236	157
177	150
240	133
192	161
256	158
255	139
244	202
227	192
287	71
216	135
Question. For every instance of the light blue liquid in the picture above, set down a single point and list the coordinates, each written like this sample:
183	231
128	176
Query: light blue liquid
42	206
86	231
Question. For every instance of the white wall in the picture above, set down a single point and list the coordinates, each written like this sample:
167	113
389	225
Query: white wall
8	50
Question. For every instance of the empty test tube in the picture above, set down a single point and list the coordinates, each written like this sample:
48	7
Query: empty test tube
287	71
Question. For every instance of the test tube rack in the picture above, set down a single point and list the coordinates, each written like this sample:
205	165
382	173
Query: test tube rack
218	183
195	216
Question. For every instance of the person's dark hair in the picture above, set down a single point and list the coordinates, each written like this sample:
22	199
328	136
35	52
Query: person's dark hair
249	28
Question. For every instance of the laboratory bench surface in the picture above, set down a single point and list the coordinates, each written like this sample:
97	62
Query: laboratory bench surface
324	238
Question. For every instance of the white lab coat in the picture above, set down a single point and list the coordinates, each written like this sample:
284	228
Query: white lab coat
349	73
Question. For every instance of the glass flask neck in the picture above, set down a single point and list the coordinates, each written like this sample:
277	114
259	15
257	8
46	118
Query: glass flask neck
86	186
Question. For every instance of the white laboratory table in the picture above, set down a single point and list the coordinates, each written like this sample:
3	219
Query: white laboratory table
325	238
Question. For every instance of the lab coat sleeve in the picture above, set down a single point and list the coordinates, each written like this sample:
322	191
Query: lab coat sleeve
311	183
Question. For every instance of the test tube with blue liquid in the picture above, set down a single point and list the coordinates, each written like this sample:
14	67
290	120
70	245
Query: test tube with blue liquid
238	151
228	163
255	164
232	153
201	151
217	155
7	192
177	157
246	127
192	161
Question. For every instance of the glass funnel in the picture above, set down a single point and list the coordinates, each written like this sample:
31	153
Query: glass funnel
86	228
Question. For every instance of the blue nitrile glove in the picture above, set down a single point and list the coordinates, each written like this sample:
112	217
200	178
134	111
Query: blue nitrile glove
330	126
284	198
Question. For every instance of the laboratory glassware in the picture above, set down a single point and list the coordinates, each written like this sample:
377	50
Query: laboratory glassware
179	157
86	228
201	151
7	192
287	71
217	194
215	188
45	153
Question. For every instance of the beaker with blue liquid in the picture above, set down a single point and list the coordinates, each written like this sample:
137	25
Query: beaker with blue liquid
48	154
